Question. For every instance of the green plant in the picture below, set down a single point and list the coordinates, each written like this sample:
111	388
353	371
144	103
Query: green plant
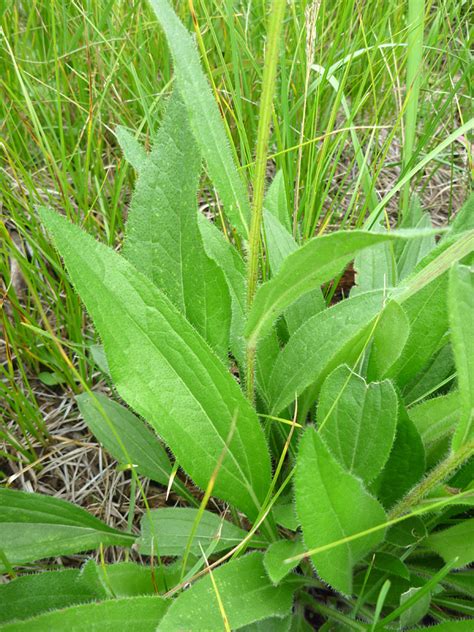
374	517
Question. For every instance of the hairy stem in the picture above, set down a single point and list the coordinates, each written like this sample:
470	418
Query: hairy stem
439	474
266	106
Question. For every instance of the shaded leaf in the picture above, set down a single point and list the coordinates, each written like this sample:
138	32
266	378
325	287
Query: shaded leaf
457	541
275	201
437	417
416	611
389	339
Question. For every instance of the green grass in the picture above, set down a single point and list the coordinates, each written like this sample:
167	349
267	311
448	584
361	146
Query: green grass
71	71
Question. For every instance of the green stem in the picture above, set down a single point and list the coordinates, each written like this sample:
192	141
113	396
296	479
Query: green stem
439	474
331	613
263	134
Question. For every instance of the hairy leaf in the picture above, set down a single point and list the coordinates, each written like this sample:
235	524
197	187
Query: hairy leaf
280	244
388	342
375	269
28	596
204	117
163	240
461	318
133	150
167	372
406	463
142	446
275	201
357	421
457	541
317	262
166	532
34	526
333	505
275	556
437	417
320	345
127	615
246	593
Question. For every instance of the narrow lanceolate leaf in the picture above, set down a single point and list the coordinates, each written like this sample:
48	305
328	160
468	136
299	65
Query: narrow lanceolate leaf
162	235
350	411
457	541
461	316
204	117
319	346
167	531
132	439
167	372
31	595
34	526
127	615
279	244
332	505
317	262
246	593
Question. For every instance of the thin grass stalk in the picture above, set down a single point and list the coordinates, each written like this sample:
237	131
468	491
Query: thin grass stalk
416	22
263	135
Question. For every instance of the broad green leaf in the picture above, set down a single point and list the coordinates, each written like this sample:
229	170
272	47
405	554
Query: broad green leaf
407	533
350	411
28	596
34	526
233	267
375	268
166	531
439	369
163	240
391	564
449	626
245	590
415	250
132	149
126	615
272	624
326	340
464	219
461	318
388	342
285	516
279	244
457	541
315	263
166	371
275	201
126	579
223	253
437	417
204	117
333	505
275	556
428	317
416	611
142	446
406	463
